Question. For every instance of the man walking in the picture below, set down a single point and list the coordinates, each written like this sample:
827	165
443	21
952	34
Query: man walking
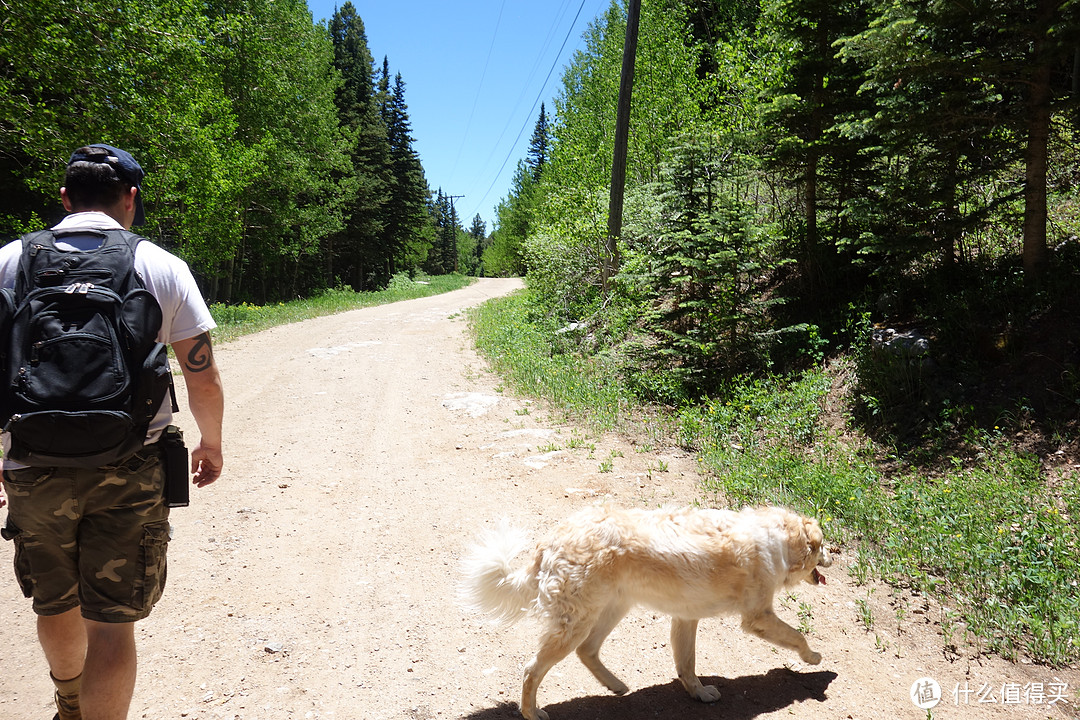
90	544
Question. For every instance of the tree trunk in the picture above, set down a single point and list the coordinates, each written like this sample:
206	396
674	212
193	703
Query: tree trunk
813	259
226	287
1035	254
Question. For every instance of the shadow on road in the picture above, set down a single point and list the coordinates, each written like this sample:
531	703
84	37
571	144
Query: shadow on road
741	698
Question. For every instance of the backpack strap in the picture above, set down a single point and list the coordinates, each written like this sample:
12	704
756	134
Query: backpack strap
132	240
38	237
129	238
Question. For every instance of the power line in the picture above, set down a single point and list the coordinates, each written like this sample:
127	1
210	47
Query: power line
533	109
479	88
528	80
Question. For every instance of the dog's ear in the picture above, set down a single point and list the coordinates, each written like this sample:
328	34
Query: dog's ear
805	542
814	536
800	550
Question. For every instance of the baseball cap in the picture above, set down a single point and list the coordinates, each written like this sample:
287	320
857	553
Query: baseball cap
126	169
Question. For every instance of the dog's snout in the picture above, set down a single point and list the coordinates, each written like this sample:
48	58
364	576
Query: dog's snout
826	558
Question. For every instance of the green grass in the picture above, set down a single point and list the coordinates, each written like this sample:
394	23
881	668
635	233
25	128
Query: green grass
243	319
989	536
518	350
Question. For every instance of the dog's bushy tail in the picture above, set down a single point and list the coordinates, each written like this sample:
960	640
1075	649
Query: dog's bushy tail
491	584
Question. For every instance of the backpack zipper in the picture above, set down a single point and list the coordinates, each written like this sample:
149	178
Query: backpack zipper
80	288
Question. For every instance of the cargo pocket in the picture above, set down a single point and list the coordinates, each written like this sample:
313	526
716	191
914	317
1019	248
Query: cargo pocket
24	479
23	574
150	579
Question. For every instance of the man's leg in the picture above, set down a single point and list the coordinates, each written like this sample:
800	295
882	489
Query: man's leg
63	638
109	674
103	652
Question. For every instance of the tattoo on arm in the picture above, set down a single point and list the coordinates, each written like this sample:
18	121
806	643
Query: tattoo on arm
201	355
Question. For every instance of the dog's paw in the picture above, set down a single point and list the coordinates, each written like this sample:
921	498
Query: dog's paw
812	658
707	694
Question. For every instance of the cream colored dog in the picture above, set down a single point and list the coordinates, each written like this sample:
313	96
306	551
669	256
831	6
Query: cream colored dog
690	563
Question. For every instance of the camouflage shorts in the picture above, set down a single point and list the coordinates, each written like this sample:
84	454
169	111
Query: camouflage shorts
93	539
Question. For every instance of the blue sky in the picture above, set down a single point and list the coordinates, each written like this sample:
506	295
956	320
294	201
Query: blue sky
473	71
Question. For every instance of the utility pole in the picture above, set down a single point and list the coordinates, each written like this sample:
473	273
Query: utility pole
610	261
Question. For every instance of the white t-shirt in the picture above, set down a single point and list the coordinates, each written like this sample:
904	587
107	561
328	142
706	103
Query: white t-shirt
167	277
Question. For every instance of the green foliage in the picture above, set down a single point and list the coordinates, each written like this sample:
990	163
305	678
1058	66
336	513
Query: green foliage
514	220
272	167
293	196
560	219
991	538
751	414
890	388
405	215
562	259
143	77
366	190
702	266
538	145
445	250
511	332
940	118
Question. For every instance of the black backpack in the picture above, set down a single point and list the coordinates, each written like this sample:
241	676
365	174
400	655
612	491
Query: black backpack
83	372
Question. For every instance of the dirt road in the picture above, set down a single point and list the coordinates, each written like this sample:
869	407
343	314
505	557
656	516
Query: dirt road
316	578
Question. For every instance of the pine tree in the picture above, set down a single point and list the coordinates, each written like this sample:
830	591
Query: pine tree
355	252
960	103
538	146
818	93
443	257
403	215
706	257
478	231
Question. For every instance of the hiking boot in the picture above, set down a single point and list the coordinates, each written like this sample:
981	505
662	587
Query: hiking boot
67	698
68	710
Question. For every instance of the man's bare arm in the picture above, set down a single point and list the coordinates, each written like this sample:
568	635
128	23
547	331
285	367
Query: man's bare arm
206	399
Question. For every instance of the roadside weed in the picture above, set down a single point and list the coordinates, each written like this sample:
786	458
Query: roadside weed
864	611
987	537
806	617
608	464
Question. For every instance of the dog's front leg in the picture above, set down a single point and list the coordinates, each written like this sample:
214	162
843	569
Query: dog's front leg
684	646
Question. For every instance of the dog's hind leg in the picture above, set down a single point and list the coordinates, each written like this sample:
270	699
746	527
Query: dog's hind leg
684	647
554	646
589	650
769	627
